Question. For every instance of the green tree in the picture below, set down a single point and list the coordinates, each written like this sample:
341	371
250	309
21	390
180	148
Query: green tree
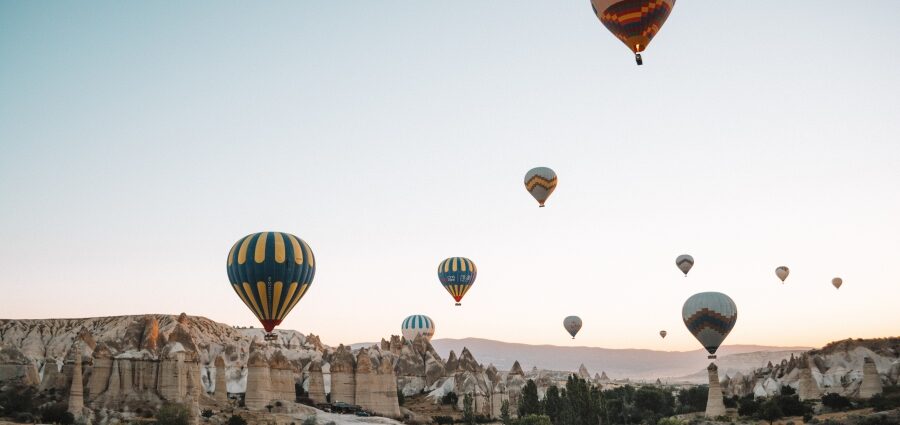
401	399
172	414
748	406
651	404
468	410
693	399
504	413
529	403
835	401
769	411
552	403
534	420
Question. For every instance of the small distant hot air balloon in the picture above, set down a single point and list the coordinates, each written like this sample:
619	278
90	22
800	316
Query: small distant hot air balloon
540	183
271	272
415	325
837	282
457	274
572	325
709	316
782	273
685	263
635	22
663	334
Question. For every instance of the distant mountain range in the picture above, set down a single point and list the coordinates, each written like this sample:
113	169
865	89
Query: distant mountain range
617	363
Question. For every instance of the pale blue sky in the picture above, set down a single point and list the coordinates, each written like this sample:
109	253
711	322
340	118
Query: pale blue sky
141	139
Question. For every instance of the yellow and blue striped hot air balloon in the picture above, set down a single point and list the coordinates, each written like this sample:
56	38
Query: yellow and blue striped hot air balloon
271	271
457	274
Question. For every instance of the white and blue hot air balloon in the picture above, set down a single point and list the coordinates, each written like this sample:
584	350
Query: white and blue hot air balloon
415	325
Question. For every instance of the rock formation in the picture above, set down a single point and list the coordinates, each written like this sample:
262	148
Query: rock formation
807	388
258	393
76	391
515	381
376	386
714	404
221	388
343	376
282	374
583	373
871	382
316	383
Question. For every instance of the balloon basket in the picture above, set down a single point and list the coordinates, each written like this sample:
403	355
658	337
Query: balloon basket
638	59
711	357
458	304
270	337
540	206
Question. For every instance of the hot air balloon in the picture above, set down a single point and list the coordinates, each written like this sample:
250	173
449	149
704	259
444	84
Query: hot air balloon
684	263
837	282
540	183
457	274
710	316
663	334
415	325
635	22
572	325
782	273
271	272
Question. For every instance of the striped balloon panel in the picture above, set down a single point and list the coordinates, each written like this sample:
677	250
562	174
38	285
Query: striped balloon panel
457	274
635	22
271	272
710	317
417	324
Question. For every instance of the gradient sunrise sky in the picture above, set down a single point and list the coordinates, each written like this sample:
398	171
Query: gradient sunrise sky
140	140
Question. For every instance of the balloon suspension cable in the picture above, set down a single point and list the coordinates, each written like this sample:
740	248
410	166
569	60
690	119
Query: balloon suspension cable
638	59
270	337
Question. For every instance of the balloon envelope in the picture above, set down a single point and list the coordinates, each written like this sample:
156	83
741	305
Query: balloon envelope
572	325
837	282
635	22
685	263
782	273
663	334
709	316
540	183
415	325
271	272
457	274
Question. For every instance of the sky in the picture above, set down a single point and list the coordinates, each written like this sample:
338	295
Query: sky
140	140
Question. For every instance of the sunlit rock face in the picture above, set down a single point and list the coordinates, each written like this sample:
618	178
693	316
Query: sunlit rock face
852	368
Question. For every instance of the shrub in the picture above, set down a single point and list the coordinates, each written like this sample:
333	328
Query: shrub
172	414
835	401
748	406
57	414
236	420
206	413
450	398
669	421
310	420
807	417
401	399
788	390
769	411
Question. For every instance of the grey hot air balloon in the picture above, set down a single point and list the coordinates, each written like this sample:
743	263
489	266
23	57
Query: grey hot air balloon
415	325
572	325
684	263
782	273
663	334
540	183
837	282
709	316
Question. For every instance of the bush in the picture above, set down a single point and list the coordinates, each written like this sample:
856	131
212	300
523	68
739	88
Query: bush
206	413
442	420
17	400
669	421
836	402
401	399
791	405
24	417
807	418
788	390
57	414
236	420
769	411
534	420
450	398
748	406
881	403
172	414
310	420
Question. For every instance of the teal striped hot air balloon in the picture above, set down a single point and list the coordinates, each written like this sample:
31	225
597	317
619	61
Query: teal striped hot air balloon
457	274
415	325
271	272
709	316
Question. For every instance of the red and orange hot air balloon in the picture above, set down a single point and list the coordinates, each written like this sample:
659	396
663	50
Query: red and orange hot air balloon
635	22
